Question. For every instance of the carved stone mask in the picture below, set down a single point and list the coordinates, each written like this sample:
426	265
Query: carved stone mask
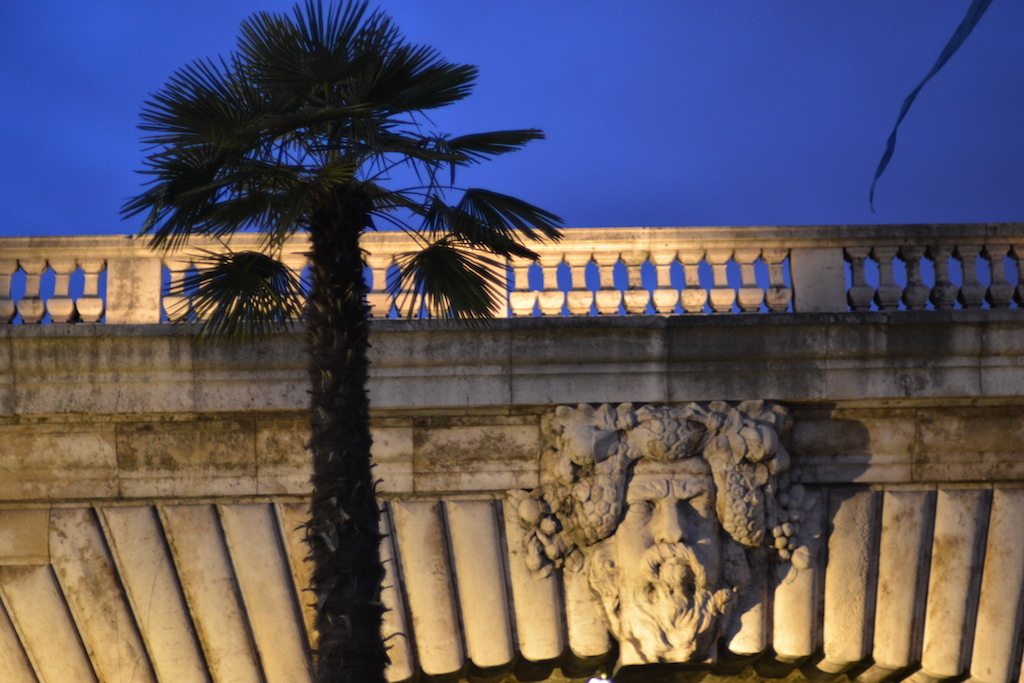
660	575
663	508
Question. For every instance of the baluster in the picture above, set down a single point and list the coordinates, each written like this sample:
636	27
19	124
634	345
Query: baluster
635	298
378	298
208	312
694	297
60	306
551	299
608	297
521	299
778	296
579	299
915	294
176	305
296	262
888	294
860	294
7	308
944	292
972	292
665	296
90	306
31	307
722	295
1000	292
1018	255
749	295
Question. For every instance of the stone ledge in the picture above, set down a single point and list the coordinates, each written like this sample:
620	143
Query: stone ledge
59	369
166	456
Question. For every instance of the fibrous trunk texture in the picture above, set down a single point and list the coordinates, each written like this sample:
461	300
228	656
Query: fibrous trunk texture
343	530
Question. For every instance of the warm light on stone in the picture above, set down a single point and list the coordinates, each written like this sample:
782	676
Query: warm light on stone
837	487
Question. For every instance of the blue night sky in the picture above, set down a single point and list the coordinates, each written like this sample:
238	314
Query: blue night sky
658	113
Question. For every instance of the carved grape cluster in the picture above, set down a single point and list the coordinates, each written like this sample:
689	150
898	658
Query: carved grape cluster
793	507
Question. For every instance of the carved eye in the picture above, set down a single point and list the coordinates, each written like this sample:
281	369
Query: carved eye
643	508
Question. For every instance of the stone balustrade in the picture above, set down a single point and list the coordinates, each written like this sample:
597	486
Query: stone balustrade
601	271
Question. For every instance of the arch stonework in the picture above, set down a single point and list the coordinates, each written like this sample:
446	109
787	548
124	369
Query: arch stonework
151	487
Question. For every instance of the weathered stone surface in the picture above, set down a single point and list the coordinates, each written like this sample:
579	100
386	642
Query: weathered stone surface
393	455
1002	368
124	418
8	400
794	357
904	554
851	445
24	536
771	357
150	582
86	373
819	280
995	650
36	607
419	529
282	463
497	455
957	555
133	290
797	604
266	375
395	627
850	578
204	571
953	447
605	362
422	365
187	459
89	583
13	661
57	461
478	557
264	582
540	624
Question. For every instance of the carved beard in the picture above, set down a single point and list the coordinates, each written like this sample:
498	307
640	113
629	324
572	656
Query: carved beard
675	616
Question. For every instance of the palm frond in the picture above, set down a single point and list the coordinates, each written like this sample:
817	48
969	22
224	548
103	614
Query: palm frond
500	212
312	47
448	280
441	219
241	295
479	147
415	78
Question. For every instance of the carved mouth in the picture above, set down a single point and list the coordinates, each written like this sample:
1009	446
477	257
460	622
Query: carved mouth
673	564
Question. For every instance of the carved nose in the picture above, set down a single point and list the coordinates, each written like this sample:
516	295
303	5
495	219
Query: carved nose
670	525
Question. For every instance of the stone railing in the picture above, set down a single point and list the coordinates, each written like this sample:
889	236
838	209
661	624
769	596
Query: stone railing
602	271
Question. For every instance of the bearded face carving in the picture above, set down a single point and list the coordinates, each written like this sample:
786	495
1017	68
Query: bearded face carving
661	508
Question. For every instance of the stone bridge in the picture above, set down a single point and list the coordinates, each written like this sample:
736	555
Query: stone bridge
775	453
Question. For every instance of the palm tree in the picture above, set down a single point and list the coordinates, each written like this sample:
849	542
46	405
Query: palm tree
299	129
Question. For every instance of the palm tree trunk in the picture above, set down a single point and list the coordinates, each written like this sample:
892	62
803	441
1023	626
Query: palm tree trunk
343	530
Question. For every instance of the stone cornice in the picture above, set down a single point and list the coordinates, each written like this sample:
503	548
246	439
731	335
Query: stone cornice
897	357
